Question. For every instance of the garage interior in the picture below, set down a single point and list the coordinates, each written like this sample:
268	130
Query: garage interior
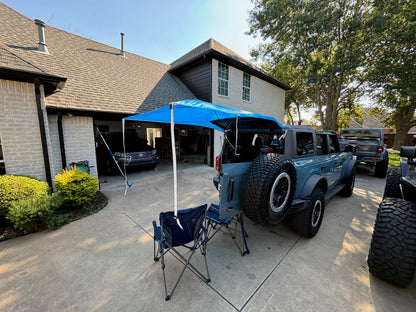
192	142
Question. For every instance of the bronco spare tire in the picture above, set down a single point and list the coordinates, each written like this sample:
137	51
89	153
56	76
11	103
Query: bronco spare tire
268	188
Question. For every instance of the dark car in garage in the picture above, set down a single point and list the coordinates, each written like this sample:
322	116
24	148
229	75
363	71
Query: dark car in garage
138	153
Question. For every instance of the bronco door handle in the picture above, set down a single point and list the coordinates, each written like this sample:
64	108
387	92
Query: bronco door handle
323	167
231	192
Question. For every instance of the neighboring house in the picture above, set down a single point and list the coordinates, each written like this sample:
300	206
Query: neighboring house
54	86
372	121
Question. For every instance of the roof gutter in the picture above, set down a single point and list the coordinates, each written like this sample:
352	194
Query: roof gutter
43	133
52	83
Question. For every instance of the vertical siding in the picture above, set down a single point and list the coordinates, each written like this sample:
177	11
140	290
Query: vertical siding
19	129
198	80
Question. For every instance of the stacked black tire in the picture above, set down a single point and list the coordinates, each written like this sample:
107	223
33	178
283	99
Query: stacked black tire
392	255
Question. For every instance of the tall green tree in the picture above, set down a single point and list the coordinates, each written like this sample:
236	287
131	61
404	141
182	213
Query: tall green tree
324	39
297	97
392	62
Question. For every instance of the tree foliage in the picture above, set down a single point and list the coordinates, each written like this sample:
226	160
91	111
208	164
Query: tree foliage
322	43
297	97
392	62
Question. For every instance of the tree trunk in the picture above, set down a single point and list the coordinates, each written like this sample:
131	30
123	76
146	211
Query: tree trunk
299	115
403	123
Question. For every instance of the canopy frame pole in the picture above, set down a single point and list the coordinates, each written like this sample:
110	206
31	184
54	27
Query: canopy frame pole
236	136
175	177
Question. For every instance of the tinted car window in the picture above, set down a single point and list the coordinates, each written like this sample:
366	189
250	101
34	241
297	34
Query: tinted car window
371	133
304	143
322	144
133	143
333	144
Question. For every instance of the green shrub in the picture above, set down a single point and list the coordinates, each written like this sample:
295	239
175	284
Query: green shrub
13	188
57	220
33	213
77	187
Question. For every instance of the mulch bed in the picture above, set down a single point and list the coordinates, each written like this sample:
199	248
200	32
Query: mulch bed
98	202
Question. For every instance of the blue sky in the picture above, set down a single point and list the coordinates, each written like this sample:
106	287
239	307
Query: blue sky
162	30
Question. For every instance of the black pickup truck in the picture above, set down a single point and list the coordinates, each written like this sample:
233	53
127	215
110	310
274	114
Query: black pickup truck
369	148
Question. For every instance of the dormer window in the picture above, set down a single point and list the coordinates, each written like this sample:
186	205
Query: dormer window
222	79
246	87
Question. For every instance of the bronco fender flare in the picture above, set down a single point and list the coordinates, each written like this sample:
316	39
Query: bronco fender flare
313	182
350	167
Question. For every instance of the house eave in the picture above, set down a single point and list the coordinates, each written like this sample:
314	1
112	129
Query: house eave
52	83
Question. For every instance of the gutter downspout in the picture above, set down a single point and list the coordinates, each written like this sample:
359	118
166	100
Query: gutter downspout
61	140
43	133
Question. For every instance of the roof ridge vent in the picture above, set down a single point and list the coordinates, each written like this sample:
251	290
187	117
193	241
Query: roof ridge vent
42	47
122	45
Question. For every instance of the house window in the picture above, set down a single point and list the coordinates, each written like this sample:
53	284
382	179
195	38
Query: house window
222	79
2	166
246	87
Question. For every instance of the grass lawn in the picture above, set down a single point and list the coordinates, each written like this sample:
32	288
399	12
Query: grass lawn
394	160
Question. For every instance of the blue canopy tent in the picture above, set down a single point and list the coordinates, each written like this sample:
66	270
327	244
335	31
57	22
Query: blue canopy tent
203	114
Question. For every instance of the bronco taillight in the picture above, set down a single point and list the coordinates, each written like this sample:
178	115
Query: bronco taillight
217	163
379	149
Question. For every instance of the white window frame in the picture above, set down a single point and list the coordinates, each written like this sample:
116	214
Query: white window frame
223	79
246	96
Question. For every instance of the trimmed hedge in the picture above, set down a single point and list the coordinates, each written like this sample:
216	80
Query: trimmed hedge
13	188
76	187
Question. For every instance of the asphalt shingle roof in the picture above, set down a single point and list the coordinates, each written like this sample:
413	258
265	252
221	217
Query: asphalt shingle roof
212	45
98	78
207	46
10	60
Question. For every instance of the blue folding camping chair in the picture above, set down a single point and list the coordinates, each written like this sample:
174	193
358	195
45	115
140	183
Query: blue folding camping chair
216	223
186	230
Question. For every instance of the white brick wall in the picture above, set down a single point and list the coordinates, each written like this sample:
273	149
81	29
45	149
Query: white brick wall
55	153
19	129
79	141
21	139
265	98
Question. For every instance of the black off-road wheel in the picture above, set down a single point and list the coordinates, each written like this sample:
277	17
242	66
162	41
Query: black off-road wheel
348	189
392	188
268	188
308	221
382	167
392	255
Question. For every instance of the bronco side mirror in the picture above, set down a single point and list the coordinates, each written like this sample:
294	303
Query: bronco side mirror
414	139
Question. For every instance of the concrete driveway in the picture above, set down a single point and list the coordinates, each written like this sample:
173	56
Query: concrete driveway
105	262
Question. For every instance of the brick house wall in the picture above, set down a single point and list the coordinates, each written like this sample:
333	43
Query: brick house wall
79	141
19	129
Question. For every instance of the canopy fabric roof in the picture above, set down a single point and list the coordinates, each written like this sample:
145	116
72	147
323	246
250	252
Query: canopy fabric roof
204	114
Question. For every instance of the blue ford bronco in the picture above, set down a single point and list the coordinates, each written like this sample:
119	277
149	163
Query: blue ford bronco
269	172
